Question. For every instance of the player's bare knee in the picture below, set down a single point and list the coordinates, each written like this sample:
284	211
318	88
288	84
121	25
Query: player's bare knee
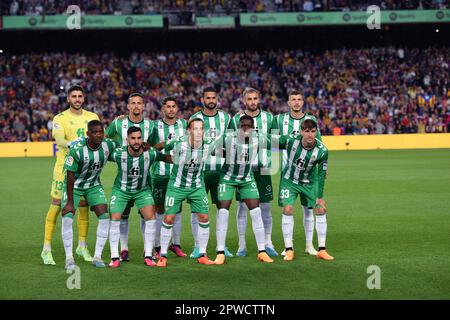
159	209
100	209
202	217
169	219
56	202
288	210
116	216
83	203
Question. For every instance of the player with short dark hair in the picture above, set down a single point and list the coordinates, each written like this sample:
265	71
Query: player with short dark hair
263	123
290	123
131	185
167	129
216	123
241	151
68	126
118	130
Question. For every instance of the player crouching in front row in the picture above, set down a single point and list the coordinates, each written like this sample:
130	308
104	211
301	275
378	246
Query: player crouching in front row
308	158
83	166
131	184
186	182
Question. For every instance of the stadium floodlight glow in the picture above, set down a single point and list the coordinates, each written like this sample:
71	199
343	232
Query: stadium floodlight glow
1	51
61	87
437	30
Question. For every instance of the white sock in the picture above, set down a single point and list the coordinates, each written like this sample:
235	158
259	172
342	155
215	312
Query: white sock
321	227
177	229
47	247
102	236
149	237
308	225
194	228
166	235
258	227
203	236
67	235
159	220
124	231
81	244
221	228
241	220
142	225
287	226
266	216
114	235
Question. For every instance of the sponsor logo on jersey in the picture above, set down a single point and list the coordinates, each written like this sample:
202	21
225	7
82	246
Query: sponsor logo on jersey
56	126
300	163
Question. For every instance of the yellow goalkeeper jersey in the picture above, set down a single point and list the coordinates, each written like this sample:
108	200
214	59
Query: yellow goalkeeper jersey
70	126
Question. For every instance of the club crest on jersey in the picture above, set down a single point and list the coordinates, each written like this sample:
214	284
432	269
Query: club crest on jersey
56	126
69	160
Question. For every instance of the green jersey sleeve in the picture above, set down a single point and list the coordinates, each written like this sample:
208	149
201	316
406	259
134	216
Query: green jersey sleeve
111	131
322	167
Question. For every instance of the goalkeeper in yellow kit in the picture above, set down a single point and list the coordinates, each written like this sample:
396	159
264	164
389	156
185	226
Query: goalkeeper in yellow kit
68	126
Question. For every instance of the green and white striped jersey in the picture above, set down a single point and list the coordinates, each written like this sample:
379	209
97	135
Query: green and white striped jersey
290	126
166	133
117	130
305	166
132	172
187	171
240	156
215	126
263	124
87	164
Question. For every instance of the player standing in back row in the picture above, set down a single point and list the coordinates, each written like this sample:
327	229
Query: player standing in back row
241	151
67	127
216	123
117	131
289	123
304	176
261	170
167	129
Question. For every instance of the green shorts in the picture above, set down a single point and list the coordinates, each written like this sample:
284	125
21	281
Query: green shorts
94	196
212	179
159	188
197	198
264	184
120	200
246	190
289	191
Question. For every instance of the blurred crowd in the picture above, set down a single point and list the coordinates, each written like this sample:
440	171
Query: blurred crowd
351	91
204	7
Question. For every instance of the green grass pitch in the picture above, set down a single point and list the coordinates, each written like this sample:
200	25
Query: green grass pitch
385	208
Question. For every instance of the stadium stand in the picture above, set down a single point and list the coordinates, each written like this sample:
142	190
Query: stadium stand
352	91
207	7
